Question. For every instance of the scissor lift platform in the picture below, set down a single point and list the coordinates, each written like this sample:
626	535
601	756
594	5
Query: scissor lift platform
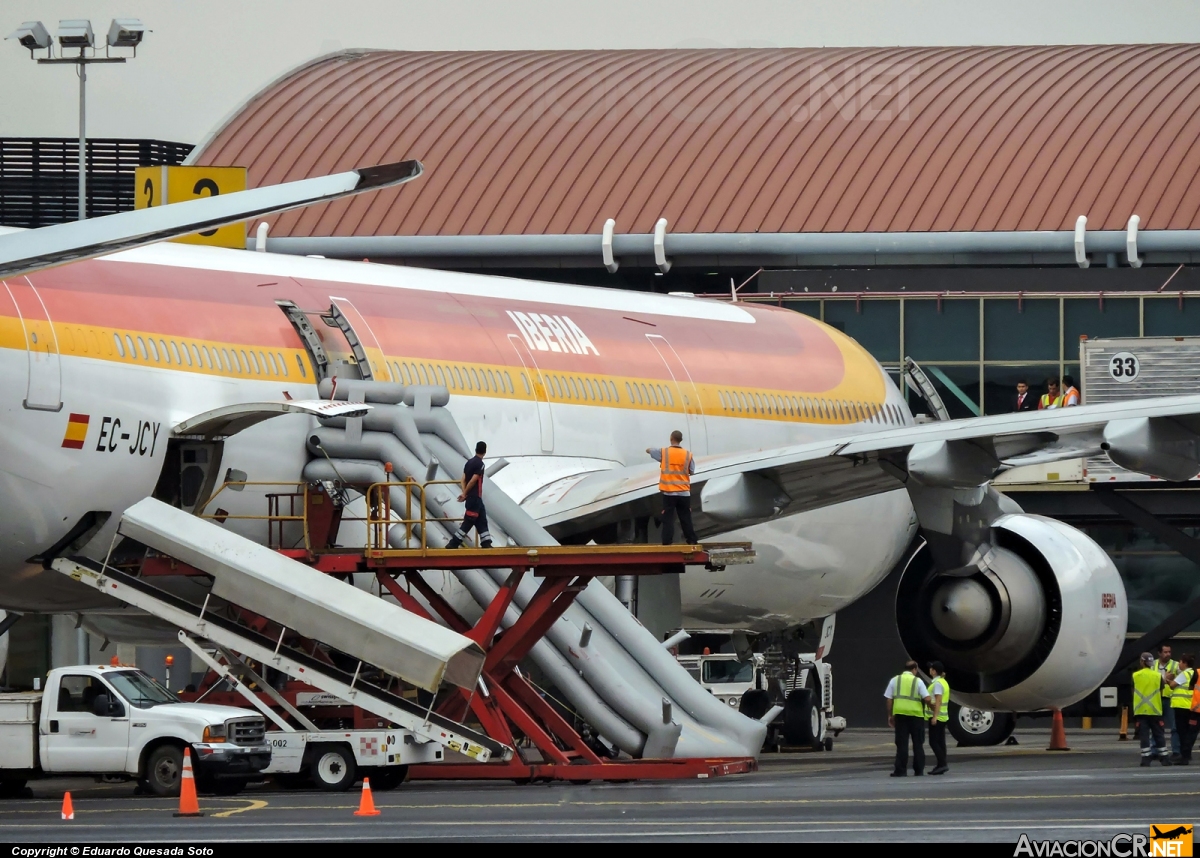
505	704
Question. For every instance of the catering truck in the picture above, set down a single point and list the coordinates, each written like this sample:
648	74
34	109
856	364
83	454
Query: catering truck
117	722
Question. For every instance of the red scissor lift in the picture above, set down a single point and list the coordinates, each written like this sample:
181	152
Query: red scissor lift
506	704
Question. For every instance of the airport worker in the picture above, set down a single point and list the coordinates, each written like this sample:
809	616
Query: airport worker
907	698
1026	401
472	494
1070	392
1168	667
1052	398
1147	711
675	469
939	714
1182	692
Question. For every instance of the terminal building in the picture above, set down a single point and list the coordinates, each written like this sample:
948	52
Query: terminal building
979	210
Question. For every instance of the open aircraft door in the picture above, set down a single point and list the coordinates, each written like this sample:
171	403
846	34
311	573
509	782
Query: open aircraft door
44	390
685	390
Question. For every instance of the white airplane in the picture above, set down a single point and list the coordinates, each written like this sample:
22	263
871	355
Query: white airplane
804	446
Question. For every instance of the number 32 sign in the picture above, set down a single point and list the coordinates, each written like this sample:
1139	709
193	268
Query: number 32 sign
1124	367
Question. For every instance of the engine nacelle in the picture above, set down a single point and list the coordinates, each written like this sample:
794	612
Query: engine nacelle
1036	620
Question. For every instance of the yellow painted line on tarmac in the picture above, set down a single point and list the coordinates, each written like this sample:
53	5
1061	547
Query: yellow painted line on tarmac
251	804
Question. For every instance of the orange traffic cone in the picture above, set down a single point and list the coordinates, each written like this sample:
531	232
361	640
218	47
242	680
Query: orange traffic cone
366	804
68	811
188	805
1058	734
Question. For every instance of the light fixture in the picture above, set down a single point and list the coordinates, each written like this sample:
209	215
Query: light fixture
76	33
125	33
32	35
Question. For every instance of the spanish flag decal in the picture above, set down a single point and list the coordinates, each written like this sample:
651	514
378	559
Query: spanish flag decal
77	426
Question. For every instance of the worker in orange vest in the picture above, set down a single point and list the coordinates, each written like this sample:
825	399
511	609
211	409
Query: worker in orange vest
1070	392
675	469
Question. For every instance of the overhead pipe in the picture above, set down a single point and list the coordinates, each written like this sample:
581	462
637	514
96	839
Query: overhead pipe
684	244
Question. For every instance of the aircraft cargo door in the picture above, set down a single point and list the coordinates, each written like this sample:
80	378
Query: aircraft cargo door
540	394
685	390
44	389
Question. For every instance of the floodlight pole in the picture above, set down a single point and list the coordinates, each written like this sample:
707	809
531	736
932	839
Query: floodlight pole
81	63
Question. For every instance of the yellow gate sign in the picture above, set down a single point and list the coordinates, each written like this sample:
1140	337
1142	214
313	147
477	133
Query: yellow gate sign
159	186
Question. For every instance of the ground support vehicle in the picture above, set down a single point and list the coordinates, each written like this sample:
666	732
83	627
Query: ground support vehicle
800	688
117	722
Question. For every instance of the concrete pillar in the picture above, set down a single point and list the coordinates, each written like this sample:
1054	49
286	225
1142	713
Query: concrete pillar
68	644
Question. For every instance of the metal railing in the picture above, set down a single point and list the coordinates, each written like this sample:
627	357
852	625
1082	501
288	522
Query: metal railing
292	503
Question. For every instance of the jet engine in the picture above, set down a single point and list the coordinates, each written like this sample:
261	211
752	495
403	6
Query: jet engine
1035	620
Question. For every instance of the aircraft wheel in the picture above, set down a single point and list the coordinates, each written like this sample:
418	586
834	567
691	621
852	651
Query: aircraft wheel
978	727
803	723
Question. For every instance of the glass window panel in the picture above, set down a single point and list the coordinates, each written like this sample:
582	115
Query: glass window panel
874	324
1157	579
1083	317
965	378
952	334
1164	318
1028	334
1000	385
808	308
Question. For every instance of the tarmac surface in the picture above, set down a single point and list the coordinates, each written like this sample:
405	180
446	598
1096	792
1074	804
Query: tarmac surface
1094	791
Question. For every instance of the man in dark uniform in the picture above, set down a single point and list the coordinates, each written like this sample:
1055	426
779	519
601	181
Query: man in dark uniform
472	494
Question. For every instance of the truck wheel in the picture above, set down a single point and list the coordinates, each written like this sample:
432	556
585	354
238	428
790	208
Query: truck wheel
164	767
12	788
755	703
802	723
387	777
978	727
333	768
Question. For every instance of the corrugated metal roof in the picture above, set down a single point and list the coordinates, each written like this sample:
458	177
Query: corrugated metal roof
762	140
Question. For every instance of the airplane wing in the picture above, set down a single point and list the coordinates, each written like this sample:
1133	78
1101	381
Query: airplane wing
1157	436
32	250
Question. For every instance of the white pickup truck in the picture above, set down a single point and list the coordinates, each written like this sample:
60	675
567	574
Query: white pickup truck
117	721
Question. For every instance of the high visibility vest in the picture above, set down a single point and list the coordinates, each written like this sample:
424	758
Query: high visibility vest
906	700
1172	668
1196	699
1147	684
1047	402
1071	392
673	473
1181	698
940	686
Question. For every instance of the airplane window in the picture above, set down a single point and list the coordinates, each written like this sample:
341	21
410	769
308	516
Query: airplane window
153	349
142	350
164	351
283	364
187	355
525	384
670	397
120	346
643	397
653	398
257	366
243	361
300	363
175	350
616	397
629	392
132	348
456	376
273	367
508	383
495	385
441	376
724	403
474	380
564	383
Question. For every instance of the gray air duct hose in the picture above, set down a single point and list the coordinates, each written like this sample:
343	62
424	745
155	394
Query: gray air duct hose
354	390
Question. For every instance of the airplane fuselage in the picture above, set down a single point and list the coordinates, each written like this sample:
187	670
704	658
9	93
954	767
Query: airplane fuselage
101	359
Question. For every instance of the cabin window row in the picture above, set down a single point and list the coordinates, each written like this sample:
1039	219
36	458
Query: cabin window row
579	387
456	377
806	408
650	394
220	359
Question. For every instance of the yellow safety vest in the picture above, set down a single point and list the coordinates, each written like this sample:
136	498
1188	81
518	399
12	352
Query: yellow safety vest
940	685
1147	700
1181	698
1172	668
1047	402
906	701
673	473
